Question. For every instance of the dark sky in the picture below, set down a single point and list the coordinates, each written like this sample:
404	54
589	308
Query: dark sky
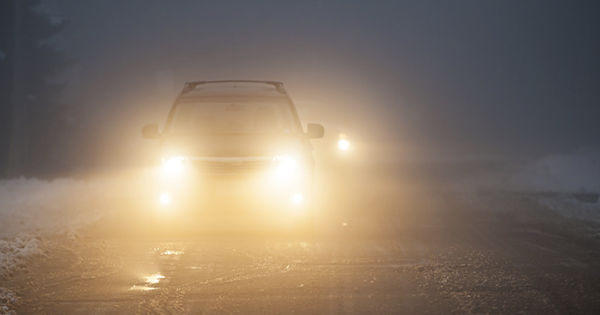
444	78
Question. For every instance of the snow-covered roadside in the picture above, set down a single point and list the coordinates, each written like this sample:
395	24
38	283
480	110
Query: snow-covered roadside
31	210
558	191
14	255
32	206
8	301
560	214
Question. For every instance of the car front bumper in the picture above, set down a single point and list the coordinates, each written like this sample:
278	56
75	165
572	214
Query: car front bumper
256	193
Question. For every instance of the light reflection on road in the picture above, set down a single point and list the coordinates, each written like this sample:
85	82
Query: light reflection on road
141	288
153	279
150	280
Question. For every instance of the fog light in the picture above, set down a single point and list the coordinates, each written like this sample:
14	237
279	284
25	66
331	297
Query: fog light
165	198
296	198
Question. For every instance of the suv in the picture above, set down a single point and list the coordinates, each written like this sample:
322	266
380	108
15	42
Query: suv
237	148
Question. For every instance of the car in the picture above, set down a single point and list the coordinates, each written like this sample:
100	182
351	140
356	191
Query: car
234	148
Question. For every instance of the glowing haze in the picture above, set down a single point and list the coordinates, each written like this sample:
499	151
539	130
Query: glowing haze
452	80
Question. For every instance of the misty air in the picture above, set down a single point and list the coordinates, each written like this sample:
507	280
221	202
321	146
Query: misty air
299	157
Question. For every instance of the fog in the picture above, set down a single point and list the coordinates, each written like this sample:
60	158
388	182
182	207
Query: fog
451	89
468	182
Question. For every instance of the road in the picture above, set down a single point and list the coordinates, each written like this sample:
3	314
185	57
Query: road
440	259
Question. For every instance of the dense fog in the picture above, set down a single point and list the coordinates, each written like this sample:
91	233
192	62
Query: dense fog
458	173
458	84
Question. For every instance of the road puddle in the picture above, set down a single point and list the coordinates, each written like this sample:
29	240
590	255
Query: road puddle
149	280
153	279
141	288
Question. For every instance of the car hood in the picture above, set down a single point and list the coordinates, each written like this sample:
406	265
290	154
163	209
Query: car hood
231	145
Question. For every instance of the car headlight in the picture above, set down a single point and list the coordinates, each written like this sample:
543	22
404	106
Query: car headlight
296	198
287	165
173	164
165	198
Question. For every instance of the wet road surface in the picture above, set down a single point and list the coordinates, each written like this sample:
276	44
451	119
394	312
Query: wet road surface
440	260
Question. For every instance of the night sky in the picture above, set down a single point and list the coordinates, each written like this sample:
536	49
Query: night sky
423	78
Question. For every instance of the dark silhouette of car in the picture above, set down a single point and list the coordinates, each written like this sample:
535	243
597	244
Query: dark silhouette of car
234	148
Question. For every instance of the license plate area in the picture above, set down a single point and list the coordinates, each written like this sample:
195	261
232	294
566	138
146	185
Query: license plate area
230	188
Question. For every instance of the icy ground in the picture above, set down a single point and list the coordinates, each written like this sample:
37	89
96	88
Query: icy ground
35	213
32	210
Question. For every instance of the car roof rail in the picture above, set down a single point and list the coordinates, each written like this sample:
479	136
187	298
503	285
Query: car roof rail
190	86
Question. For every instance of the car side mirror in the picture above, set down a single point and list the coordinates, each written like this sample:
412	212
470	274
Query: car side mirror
150	131
315	131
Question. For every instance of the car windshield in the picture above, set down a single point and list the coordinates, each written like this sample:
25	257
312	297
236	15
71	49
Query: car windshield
232	115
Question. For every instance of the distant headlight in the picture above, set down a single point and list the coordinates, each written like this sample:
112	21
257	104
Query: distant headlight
343	144
287	165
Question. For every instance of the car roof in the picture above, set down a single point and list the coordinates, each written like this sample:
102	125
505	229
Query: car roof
233	88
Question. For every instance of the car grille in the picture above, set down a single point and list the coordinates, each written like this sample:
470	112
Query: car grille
231	165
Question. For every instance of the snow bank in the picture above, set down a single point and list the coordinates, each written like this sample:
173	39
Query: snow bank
32	209
556	192
8	301
567	173
575	172
32	206
570	207
15	253
536	205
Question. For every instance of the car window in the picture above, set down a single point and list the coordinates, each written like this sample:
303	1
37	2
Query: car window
232	116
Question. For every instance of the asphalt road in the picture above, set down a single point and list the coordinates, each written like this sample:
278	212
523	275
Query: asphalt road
442	259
